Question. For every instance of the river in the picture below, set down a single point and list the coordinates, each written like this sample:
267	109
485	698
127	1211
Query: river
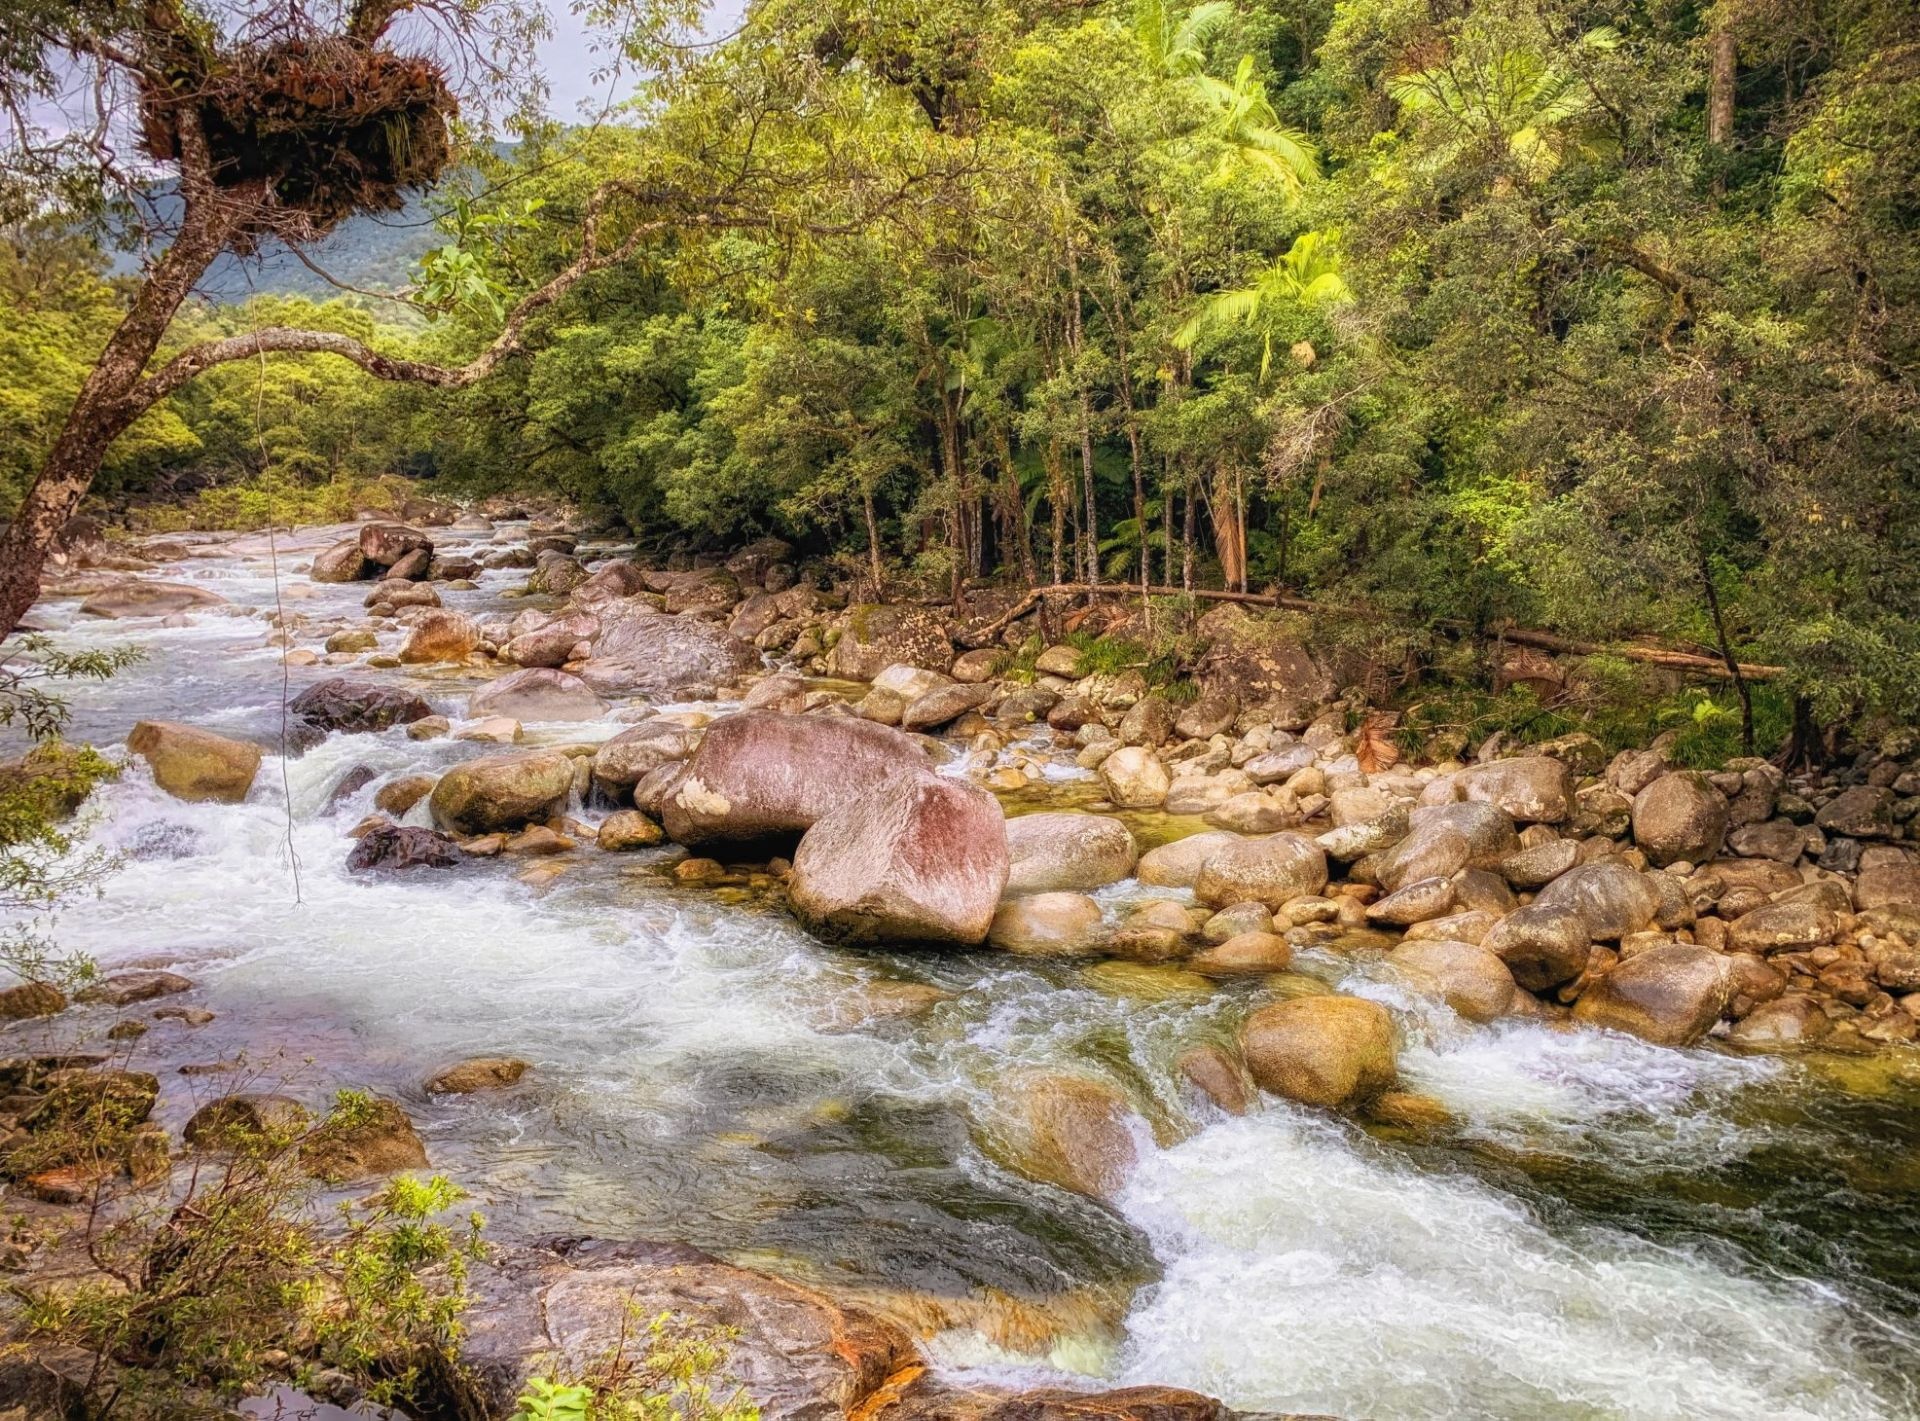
1609	1229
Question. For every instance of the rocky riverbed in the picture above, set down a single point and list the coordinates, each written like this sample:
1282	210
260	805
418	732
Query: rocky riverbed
976	1041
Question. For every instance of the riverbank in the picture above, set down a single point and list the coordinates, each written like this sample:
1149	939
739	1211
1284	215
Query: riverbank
986	1083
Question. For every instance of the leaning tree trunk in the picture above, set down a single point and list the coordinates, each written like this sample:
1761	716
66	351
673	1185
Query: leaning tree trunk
110	400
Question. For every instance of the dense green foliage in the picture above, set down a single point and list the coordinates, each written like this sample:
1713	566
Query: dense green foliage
1459	314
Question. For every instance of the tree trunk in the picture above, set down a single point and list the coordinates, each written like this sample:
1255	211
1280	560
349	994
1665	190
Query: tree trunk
1018	532
1722	66
873	541
1734	672
1186	539
109	401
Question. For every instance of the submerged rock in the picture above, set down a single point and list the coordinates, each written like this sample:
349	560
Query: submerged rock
478	1074
1470	979
537	693
368	1137
1058	924
1070	1131
126	988
135	598
440	635
246	1118
27	1000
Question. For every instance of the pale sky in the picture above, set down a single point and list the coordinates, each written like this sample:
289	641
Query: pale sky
570	63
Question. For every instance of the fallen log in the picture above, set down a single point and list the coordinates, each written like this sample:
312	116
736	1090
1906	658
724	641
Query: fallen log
1666	657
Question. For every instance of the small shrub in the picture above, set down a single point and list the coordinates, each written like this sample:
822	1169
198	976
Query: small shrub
662	1374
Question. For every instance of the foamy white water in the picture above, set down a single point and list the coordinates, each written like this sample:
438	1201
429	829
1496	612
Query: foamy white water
687	1084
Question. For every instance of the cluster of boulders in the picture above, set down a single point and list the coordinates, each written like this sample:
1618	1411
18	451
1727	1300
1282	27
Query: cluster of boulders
1625	891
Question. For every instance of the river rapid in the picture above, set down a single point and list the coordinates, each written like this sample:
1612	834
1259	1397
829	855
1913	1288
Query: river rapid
1607	1230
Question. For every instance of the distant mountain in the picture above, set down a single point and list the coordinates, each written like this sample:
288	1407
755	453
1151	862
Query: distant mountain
375	253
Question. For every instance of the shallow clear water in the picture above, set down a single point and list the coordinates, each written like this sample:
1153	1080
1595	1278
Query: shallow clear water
1611	1230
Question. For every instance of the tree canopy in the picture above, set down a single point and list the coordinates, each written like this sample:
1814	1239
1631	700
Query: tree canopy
1528	313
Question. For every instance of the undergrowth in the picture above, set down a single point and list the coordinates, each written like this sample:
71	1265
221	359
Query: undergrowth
255	502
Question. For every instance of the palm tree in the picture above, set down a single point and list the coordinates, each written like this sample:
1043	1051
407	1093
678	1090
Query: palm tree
1522	106
1239	112
1308	274
1176	42
1244	118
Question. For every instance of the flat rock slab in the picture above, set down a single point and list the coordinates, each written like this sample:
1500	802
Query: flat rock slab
125	988
917	1395
799	1355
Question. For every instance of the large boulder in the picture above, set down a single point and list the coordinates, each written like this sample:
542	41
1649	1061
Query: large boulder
1442	839
1070	1131
341	703
876	635
1542	945
1470	979
1862	812
1887	883
1268	870
1262	664
1330	1051
194	764
795	1354
440	635
498	792
1135	778
630	756
1178	864
343	562
1533	789
941	706
660	656
1670	995
1610	897
1067	850
537	693
919	858
387	543
148	599
1680	816
760	773
553	641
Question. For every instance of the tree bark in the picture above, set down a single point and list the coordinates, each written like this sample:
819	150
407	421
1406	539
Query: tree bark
111	398
873	541
1734	671
1721	71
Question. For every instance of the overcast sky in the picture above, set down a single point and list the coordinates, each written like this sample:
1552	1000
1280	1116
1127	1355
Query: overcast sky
570	62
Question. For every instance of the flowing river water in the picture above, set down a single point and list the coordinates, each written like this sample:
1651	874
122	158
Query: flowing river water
1608	1229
